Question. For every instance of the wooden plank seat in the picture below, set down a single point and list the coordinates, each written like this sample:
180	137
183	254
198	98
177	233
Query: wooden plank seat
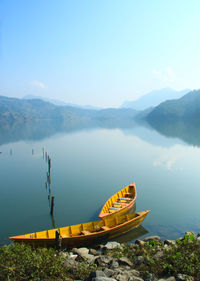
125	198
85	232
97	228
113	208
128	194
105	227
119	203
65	236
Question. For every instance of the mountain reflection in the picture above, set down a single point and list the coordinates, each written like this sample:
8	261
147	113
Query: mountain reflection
186	130
38	130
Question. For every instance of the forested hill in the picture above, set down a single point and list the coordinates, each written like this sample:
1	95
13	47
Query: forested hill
20	110
17	109
185	108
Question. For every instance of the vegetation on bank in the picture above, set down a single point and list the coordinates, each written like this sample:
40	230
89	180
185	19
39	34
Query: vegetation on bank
182	256
20	262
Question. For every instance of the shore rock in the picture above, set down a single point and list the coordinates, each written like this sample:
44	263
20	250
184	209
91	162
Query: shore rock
123	277
83	254
93	252
103	261
184	277
155	238
139	242
139	260
94	274
114	264
103	279
169	242
168	279
188	233
80	251
108	272
151	277
125	261
159	255
113	245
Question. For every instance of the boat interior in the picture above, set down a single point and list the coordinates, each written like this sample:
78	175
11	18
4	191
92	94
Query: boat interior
120	200
82	229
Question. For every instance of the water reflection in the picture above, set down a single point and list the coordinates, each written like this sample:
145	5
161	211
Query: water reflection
28	131
91	165
39	130
186	130
132	235
48	187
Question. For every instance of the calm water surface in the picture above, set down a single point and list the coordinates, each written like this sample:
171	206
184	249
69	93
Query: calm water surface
88	166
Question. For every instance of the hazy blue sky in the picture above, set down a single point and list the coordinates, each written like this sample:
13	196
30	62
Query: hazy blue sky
98	52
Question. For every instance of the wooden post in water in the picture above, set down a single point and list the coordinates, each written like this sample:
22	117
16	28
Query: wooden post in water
49	199
48	178
53	222
58	240
43	152
46	156
52	204
32	151
49	187
49	164
10	151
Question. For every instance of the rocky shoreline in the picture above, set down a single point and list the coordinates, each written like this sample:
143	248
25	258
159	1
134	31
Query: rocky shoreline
150	259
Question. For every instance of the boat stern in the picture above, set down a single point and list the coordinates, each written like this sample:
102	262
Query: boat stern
19	237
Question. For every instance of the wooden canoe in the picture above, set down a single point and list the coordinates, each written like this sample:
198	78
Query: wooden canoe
84	234
120	202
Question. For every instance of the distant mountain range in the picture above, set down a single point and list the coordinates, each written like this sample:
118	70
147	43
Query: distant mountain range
20	118
60	103
187	107
22	110
154	98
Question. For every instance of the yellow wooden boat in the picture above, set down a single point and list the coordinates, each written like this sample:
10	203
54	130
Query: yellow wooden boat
120	202
84	234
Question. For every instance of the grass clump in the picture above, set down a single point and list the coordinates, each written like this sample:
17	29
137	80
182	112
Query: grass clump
180	257
83	270
20	262
183	258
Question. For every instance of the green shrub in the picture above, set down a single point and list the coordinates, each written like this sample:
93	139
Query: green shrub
83	270
183	257
20	262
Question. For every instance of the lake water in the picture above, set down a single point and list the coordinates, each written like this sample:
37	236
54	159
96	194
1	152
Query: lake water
88	166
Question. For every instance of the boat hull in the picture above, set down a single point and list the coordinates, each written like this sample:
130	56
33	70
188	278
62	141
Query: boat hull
109	229
125	205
